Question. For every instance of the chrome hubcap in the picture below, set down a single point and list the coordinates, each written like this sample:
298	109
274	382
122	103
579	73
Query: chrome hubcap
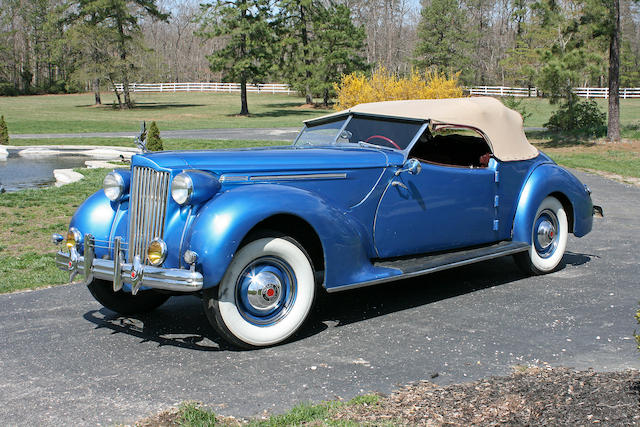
265	291
546	233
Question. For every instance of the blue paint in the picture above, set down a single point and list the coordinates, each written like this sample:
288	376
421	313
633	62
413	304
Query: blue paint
358	215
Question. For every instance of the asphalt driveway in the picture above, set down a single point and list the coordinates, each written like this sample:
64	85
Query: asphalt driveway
64	360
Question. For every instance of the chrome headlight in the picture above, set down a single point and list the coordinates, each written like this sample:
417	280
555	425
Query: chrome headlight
181	188
113	185
157	252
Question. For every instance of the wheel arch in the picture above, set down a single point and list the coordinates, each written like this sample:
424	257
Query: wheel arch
566	205
228	220
288	224
552	180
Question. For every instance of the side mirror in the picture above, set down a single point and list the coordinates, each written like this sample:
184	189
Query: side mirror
412	166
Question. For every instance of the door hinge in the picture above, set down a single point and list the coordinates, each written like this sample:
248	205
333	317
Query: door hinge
495	224
496	201
497	176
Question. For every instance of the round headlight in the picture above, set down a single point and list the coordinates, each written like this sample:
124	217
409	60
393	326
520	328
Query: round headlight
181	188
73	237
113	186
156	252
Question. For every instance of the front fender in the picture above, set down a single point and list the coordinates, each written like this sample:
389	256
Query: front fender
96	215
545	180
224	222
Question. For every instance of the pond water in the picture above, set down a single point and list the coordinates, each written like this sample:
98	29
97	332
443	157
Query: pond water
18	173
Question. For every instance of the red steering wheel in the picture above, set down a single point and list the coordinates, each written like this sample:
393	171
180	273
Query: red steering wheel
384	138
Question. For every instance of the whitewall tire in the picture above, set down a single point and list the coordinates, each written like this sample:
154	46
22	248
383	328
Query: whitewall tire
549	236
265	295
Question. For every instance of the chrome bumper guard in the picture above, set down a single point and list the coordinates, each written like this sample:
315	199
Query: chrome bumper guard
118	272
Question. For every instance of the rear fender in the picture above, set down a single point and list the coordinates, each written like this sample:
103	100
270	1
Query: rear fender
549	179
225	221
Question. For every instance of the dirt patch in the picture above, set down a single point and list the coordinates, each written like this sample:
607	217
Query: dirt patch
310	107
529	396
540	396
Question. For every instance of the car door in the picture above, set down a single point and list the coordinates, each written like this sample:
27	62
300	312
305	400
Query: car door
439	208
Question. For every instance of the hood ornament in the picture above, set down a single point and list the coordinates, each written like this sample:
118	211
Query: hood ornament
141	139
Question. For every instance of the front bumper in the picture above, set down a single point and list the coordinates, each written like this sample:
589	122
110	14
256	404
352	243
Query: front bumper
118	272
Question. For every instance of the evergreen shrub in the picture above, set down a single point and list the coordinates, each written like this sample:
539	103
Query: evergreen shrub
580	117
154	142
4	132
383	85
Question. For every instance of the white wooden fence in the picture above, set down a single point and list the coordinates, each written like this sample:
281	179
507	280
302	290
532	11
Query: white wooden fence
584	92
206	87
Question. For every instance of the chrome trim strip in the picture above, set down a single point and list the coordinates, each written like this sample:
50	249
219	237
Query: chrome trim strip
238	178
429	270
298	177
170	279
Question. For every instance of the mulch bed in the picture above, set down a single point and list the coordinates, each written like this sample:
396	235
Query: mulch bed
534	396
530	396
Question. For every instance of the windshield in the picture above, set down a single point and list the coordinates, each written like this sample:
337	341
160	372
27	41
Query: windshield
375	131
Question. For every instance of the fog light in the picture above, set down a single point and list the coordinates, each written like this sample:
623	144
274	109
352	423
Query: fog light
190	257
73	238
156	252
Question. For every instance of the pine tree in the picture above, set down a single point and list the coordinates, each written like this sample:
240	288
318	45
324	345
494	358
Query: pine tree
319	45
154	142
337	47
4	132
248	41
121	20
443	38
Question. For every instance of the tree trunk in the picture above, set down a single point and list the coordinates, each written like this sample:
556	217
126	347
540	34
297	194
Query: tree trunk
125	90
326	97
115	91
96	91
613	128
307	62
244	107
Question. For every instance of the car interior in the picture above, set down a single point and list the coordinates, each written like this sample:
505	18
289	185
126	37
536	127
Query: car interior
452	146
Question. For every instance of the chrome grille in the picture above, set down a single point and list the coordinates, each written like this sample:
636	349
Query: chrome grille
147	207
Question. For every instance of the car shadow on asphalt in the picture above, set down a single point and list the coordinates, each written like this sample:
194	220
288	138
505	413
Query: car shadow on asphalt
181	322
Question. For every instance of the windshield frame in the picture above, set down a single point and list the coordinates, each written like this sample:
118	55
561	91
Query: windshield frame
350	116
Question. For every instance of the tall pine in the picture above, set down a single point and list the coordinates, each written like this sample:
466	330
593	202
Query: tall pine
444	39
319	44
246	54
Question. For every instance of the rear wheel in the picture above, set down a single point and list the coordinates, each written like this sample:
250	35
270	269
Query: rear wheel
549	239
265	295
123	302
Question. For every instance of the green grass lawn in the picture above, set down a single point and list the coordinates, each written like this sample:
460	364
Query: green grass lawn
172	111
168	143
75	113
322	414
541	110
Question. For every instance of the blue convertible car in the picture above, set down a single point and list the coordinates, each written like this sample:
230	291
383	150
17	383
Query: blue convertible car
376	193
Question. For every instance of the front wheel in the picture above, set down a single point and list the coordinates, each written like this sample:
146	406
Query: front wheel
265	295
123	302
548	239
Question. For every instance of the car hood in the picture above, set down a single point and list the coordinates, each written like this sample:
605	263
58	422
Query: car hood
273	159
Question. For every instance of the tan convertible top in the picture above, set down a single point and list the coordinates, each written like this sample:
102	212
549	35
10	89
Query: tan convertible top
501	125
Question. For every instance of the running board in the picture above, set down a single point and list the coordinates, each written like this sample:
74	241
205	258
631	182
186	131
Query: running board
426	264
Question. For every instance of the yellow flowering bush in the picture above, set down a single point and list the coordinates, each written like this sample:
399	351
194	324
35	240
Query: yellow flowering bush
356	88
